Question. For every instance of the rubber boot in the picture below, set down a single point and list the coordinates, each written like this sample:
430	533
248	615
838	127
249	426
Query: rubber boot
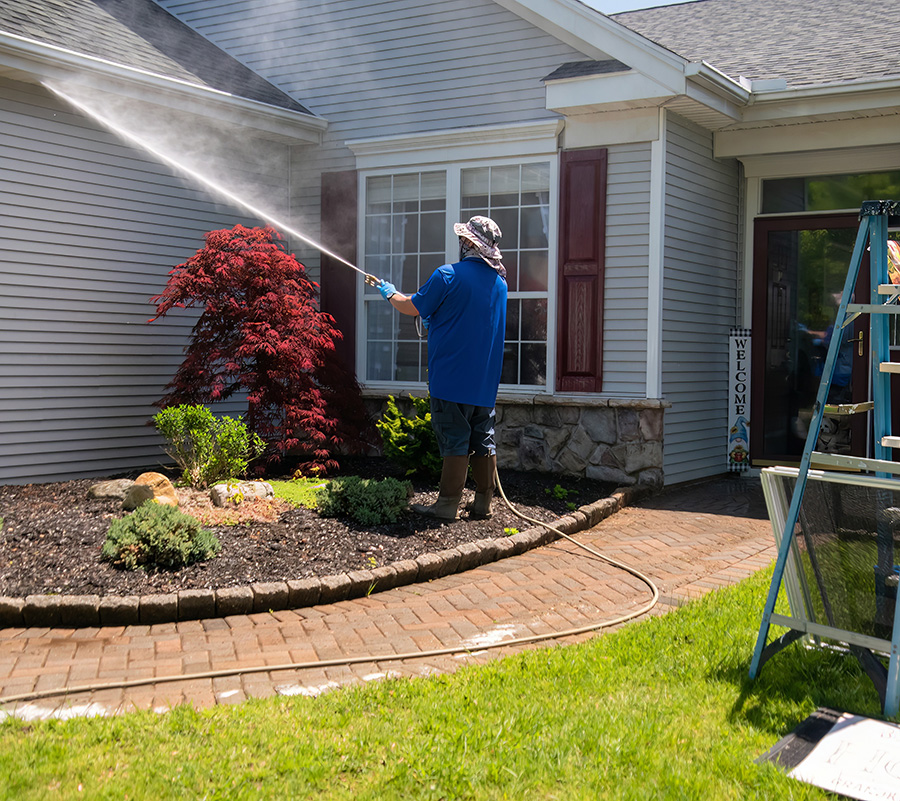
484	471
453	479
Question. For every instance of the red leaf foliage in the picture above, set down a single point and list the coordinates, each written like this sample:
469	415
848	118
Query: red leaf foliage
261	332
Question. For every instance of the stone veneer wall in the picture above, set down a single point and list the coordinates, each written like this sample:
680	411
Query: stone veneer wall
619	441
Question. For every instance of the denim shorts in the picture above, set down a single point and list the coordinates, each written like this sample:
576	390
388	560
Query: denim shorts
462	429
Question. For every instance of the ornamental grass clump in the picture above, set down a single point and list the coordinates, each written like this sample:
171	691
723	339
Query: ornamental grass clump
367	501
158	536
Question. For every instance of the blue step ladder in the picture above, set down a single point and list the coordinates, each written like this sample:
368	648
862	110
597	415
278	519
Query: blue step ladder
875	218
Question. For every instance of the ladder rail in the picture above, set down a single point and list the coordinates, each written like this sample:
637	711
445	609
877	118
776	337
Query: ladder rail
811	440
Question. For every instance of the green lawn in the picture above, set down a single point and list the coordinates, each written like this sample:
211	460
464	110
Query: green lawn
662	709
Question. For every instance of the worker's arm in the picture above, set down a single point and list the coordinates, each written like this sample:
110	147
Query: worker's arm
402	303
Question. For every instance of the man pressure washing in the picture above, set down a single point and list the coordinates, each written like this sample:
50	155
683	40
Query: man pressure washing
463	307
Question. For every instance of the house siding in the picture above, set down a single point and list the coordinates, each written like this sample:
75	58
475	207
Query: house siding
383	68
90	229
700	300
627	258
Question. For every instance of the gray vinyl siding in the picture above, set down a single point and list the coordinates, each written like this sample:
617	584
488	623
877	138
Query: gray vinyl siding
383	68
627	257
699	300
89	229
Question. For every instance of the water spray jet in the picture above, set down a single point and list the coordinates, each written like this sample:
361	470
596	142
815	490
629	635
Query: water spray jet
213	186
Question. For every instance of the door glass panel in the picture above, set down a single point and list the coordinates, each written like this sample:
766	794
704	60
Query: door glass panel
806	270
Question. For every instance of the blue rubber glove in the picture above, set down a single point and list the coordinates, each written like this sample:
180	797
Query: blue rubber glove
387	290
426	322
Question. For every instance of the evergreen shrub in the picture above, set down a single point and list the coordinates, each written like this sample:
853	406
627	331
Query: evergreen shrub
160	536
410	442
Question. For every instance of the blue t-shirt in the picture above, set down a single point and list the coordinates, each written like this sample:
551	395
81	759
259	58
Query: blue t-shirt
466	302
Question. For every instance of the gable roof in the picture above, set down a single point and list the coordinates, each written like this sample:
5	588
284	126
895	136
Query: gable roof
141	35
804	42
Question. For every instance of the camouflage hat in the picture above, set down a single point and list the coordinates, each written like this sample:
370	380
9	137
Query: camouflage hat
482	232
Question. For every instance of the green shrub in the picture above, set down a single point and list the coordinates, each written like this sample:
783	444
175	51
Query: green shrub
367	501
410	442
158	535
207	448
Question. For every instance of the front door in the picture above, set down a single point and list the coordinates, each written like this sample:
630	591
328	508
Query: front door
800	265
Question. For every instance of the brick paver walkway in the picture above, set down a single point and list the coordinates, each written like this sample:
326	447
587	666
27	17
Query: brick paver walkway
688	541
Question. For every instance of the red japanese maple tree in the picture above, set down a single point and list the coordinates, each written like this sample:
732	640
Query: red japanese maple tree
261	332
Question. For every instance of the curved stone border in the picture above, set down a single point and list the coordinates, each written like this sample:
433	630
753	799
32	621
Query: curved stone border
76	611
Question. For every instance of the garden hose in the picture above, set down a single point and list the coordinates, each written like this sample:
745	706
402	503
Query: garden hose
367	658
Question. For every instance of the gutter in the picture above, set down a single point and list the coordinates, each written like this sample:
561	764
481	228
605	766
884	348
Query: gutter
706	75
39	62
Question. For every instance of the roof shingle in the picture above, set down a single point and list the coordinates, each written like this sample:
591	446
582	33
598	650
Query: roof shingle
806	42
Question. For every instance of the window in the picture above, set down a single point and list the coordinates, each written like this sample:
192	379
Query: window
827	192
407	235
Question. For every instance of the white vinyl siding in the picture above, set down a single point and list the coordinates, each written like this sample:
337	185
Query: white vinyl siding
627	257
699	300
89	229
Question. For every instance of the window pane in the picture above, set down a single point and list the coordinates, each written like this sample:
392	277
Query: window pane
407	361
828	192
534	319
533	271
535	184
510	372
475	188
378	195
508	220
379	266
534	364
535	227
381	320
379	361
406	193
434	189
512	319
433	233
504	186
511	262
378	234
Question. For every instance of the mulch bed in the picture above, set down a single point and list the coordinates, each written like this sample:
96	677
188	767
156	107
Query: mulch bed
52	534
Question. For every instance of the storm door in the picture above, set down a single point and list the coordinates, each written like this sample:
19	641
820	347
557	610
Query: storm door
800	265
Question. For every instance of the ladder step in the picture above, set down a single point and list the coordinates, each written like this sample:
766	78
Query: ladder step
872	308
843	409
844	462
889	367
889	289
890	442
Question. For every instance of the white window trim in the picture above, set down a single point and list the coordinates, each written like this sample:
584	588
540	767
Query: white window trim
437	149
453	169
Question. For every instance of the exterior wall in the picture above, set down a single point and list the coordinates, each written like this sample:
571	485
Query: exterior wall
700	301
382	69
90	229
627	258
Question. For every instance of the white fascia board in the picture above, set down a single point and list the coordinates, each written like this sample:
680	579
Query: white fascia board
600	38
817	135
457	144
591	93
835	98
822	162
36	62
612	128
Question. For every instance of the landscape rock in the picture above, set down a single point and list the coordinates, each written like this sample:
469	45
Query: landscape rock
220	494
115	489
150	486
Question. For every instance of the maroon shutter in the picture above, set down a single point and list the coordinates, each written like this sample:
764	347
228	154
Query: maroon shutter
582	236
338	281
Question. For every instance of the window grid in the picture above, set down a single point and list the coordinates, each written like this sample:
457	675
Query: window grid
405	239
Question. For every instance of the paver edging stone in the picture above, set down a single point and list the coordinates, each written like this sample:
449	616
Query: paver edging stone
79	610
